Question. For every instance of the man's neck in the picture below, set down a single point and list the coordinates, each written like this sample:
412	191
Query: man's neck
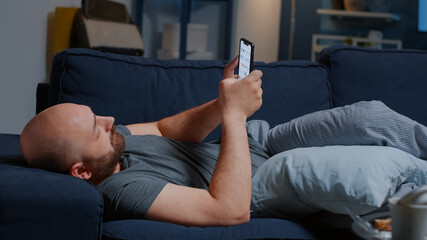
119	167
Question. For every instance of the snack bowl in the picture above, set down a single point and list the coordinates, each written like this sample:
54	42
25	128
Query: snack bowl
371	232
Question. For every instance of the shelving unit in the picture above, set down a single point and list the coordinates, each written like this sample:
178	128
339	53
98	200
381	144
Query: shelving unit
185	16
320	41
317	46
359	14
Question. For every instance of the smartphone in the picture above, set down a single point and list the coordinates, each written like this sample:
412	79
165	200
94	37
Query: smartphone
246	58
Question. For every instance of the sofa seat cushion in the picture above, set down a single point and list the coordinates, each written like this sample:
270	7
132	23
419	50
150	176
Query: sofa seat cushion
138	89
396	77
256	228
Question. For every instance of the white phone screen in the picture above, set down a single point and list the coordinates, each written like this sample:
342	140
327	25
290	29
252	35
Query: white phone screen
244	60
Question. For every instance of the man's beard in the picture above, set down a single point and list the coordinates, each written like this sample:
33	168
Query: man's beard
104	166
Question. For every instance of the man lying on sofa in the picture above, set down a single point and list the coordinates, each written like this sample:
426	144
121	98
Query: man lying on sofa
161	171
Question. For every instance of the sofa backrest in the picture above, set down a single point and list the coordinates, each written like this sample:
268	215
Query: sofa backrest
396	77
138	89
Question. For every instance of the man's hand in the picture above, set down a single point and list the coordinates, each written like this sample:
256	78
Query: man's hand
229	69
241	96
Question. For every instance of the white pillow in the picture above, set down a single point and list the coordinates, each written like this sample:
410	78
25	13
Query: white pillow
303	181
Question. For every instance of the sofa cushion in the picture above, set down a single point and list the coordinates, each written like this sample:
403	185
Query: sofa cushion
137	89
36	204
396	77
256	228
292	89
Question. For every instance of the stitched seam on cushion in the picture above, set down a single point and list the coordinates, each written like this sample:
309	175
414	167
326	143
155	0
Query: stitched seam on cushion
58	101
331	82
284	64
101	216
140	64
291	66
329	85
379	51
101	208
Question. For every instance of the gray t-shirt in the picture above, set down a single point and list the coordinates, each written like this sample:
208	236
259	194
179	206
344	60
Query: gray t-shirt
150	162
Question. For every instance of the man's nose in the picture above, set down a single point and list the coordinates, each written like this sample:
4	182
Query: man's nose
107	122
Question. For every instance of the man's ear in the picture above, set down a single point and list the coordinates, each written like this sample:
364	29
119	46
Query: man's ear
79	170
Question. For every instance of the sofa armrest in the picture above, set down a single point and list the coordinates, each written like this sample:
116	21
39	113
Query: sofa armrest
37	204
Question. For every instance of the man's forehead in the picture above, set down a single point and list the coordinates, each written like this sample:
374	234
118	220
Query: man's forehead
82	109
75	114
71	107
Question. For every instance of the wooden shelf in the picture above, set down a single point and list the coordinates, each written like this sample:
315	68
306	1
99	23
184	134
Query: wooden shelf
317	44
359	14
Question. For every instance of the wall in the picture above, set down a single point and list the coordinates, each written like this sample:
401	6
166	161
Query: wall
259	22
306	24
25	28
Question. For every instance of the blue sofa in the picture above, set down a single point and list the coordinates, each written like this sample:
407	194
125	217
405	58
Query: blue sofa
36	204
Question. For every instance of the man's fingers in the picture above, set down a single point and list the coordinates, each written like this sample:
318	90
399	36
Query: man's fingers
229	80
234	62
259	82
229	68
255	75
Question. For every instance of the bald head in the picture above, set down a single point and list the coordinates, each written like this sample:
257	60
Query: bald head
70	138
51	139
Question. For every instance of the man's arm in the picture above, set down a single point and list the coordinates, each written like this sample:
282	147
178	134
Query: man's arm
192	125
227	202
